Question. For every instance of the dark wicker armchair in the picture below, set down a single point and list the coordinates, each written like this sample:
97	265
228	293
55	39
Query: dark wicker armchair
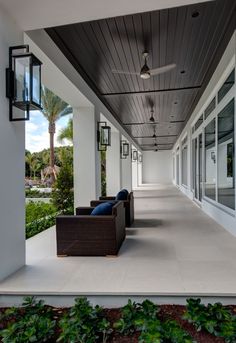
86	235
128	204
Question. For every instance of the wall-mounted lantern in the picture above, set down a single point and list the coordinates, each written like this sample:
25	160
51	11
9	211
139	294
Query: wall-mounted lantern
140	158
103	136
124	149
23	82
134	155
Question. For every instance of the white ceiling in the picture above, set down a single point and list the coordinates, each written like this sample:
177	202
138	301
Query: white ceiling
34	14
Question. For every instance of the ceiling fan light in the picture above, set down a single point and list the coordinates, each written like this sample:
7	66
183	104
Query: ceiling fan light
145	72
145	75
152	119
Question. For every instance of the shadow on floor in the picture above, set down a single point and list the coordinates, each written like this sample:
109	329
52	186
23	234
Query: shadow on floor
140	248
143	223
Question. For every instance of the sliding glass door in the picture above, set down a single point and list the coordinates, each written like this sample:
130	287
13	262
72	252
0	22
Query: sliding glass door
197	167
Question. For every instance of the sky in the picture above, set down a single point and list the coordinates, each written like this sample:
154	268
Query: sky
37	136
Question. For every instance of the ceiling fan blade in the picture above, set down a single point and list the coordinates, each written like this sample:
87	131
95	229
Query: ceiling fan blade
163	69
114	71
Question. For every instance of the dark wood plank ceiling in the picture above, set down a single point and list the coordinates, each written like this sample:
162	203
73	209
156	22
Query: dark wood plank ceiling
193	37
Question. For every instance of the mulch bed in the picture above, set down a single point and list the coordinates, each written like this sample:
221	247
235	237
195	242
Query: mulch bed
166	312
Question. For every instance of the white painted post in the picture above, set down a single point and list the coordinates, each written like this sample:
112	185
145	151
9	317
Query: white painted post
140	172
126	172
12	164
87	166
113	165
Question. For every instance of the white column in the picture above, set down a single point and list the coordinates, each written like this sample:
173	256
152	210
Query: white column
140	172
126	172
113	165
12	169
87	166
134	172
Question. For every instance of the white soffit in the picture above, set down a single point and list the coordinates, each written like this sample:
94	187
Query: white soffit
35	14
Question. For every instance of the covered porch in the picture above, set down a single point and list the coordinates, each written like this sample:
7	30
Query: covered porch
173	251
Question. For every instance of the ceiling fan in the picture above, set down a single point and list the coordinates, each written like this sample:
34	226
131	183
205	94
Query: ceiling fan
145	72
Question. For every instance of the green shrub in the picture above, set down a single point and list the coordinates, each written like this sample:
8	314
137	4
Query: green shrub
32	324
215	319
84	324
63	194
34	193
133	316
37	210
39	217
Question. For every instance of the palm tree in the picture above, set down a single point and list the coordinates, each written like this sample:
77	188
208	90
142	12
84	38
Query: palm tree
66	132
53	109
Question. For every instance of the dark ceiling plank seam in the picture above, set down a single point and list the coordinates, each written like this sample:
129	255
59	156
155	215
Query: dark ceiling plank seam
71	57
85	50
207	25
125	65
115	50
190	24
115	24
152	91
155	123
129	38
96	44
222	44
208	46
178	68
53	34
115	47
200	29
221	26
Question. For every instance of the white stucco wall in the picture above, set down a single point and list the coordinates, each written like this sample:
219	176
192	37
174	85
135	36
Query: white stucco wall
157	167
12	165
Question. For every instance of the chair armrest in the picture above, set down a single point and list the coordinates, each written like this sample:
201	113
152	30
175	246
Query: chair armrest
83	210
107	198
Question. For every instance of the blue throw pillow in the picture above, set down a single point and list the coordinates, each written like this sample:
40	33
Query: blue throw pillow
122	195
125	190
102	209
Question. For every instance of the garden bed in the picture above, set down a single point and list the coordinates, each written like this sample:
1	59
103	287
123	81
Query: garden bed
123	325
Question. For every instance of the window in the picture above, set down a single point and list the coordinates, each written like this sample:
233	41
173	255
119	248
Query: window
210	108
199	122
226	169
210	160
184	161
229	82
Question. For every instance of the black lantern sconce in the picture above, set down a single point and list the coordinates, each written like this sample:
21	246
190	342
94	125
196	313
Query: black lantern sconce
140	158
124	149
103	136
134	155
23	82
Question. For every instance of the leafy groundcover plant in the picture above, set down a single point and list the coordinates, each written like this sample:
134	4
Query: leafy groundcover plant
144	318
134	323
32	323
216	319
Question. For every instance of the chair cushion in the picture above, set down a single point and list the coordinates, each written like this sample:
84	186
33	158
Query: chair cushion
102	209
125	190
122	195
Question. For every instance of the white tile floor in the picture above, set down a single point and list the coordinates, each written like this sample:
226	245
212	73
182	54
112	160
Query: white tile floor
173	248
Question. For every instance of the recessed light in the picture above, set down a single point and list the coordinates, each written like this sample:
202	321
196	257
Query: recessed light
182	72
195	14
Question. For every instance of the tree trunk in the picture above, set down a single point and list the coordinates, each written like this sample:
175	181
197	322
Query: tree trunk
51	130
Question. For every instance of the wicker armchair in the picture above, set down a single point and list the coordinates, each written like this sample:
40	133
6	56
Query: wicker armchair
128	204
86	235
